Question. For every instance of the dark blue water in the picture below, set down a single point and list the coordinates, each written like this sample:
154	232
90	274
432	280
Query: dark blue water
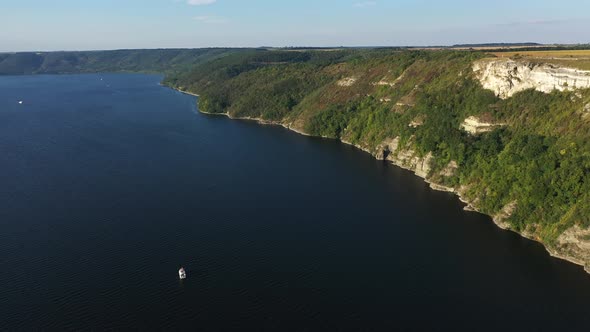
108	183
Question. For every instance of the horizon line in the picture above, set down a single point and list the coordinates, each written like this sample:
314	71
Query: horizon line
463	45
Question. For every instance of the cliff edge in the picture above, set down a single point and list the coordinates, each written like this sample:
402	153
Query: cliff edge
506	76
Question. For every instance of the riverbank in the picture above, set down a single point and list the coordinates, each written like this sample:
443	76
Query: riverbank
470	206
185	92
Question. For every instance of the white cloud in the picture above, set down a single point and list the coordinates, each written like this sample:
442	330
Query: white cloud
200	2
365	4
211	19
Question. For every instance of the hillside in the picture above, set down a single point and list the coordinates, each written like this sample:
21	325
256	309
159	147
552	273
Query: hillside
520	155
157	60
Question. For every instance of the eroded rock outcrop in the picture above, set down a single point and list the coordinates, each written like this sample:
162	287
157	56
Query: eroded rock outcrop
574	245
450	169
475	125
384	82
347	81
404	157
502	216
506	76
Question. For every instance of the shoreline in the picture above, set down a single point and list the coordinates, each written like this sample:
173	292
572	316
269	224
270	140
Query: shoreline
181	91
469	207
260	121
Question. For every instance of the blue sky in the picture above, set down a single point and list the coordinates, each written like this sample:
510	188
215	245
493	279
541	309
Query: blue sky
113	24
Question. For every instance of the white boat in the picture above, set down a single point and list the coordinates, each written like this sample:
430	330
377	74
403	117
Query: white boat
20	101
182	273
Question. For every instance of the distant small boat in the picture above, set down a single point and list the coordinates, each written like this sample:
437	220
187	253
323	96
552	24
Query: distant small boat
20	101
182	273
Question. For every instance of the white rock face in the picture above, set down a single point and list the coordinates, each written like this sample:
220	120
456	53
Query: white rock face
450	169
417	122
504	214
391	150
475	126
506	77
574	245
347	81
382	82
391	84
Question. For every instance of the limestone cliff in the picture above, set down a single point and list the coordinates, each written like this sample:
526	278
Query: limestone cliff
404	156
507	77
573	245
474	125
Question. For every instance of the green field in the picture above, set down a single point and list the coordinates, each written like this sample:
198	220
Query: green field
569	58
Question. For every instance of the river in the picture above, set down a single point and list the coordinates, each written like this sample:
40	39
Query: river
110	182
